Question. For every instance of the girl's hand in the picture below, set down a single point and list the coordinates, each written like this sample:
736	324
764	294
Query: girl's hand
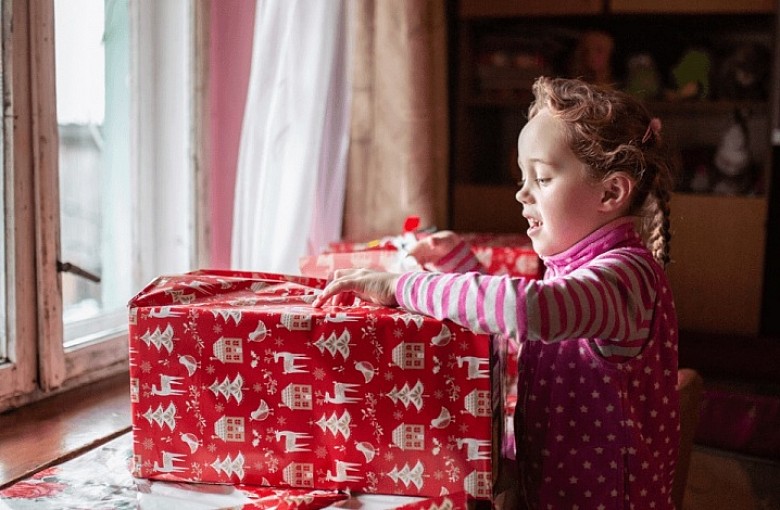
430	249
372	286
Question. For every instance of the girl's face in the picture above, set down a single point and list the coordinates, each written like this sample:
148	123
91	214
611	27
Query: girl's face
560	201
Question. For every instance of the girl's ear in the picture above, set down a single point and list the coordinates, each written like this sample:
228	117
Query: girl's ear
616	195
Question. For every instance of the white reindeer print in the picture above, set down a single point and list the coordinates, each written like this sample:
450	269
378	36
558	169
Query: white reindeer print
168	459
164	312
291	440
342	472
166	386
476	449
289	359
475	366
340	391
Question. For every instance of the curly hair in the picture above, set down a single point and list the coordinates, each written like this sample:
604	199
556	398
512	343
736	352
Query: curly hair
611	131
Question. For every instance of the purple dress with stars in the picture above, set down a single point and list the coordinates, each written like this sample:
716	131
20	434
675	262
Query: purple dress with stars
597	421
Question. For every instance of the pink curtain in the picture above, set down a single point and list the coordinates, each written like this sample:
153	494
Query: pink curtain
398	156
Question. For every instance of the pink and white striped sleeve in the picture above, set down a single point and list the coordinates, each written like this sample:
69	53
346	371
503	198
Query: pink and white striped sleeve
459	260
612	300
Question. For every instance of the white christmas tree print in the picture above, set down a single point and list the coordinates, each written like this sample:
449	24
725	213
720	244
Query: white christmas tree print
408	396
228	388
336	424
334	344
162	416
159	338
408	318
230	466
227	314
408	475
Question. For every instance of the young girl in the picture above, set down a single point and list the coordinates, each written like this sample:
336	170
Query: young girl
597	421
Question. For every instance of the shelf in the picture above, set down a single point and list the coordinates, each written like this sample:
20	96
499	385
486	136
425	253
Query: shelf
718	262
691	6
505	8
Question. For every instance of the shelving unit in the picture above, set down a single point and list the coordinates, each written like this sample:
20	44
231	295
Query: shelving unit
719	240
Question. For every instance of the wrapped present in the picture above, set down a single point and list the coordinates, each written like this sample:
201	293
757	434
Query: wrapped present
323	265
236	378
510	254
499	254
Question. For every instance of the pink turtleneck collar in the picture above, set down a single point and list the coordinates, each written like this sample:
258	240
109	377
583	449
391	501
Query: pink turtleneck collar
619	231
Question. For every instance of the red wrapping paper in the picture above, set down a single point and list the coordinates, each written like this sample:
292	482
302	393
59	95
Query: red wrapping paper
499	254
235	378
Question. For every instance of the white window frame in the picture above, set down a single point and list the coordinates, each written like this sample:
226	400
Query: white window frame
167	186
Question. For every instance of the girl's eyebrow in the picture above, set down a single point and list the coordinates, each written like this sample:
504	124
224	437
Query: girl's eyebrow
541	161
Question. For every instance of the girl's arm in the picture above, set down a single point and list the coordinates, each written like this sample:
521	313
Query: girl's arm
447	252
611	299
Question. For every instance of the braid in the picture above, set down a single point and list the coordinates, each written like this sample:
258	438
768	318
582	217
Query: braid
657	225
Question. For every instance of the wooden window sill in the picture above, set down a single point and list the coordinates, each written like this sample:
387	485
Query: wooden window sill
61	427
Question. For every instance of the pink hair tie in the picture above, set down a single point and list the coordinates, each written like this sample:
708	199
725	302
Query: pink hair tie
654	128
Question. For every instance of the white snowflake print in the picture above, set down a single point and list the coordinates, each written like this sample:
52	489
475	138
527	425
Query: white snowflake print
319	374
372	482
453	470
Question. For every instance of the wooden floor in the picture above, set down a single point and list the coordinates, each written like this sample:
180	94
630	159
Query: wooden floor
47	432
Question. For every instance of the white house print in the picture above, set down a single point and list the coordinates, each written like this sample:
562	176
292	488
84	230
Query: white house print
230	429
477	484
299	474
297	396
409	355
228	350
477	403
409	437
296	321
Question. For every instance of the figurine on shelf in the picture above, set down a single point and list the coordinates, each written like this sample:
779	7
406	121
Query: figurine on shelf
691	76
744	73
643	80
733	160
592	59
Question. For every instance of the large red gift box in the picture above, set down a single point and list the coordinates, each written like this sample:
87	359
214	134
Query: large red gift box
236	378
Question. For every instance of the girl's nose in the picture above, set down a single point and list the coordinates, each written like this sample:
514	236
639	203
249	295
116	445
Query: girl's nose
522	195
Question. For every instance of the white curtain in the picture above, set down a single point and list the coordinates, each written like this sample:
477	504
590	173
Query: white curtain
294	141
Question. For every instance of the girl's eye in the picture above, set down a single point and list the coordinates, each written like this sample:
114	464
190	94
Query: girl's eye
543	180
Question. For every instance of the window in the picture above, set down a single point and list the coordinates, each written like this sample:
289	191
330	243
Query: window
92	49
98	179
